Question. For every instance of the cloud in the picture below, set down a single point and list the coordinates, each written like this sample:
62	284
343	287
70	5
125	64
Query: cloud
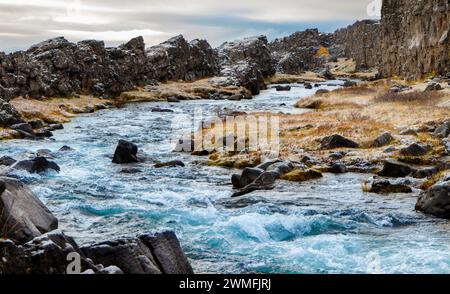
25	22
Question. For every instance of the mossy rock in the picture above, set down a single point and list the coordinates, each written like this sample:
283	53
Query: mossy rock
299	175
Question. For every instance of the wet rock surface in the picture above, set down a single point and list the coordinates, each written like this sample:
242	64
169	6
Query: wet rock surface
126	152
436	200
23	215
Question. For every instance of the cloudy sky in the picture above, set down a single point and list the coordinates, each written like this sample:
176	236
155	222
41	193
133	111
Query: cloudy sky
26	22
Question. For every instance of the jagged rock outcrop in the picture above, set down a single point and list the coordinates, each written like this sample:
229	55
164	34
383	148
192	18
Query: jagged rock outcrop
361	41
58	67
9	116
176	59
246	62
415	38
298	52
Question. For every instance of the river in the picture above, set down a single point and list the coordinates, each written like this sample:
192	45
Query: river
323	226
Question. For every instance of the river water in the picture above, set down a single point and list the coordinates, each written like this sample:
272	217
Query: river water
323	226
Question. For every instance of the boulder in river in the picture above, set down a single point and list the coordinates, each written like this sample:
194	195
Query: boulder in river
36	165
7	161
337	141
23	215
300	175
126	152
396	169
387	187
283	88
248	176
23	127
436	200
172	163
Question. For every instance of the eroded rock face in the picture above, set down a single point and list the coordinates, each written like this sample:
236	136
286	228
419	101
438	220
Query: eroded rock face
415	38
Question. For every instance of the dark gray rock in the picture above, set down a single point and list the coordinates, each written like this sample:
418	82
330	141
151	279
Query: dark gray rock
283	88
157	109
415	150
167	252
8	115
36	165
436	201
23	216
7	161
266	181
24	127
388	187
337	141
46	254
126	152
249	175
396	169
176	59
172	163
383	140
131	255
65	148
433	87
337	168
349	84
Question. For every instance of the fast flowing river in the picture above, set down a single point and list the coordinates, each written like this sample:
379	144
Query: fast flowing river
323	226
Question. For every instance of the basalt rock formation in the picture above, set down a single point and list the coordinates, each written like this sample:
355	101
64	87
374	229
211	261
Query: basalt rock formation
298	52
415	38
176	59
361	42
246	62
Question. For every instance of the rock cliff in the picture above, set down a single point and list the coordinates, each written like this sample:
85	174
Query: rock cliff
361	42
415	38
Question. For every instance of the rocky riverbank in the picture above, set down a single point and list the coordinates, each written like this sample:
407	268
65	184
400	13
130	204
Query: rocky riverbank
30	242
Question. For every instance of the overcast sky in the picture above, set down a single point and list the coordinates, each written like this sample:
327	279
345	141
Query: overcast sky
26	22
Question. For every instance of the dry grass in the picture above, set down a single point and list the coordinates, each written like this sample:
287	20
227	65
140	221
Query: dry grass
407	97
358	114
200	89
56	110
291	79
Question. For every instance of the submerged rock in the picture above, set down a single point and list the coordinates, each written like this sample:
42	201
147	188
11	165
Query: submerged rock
36	165
415	150
337	141
126	152
7	161
436	201
23	216
172	163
